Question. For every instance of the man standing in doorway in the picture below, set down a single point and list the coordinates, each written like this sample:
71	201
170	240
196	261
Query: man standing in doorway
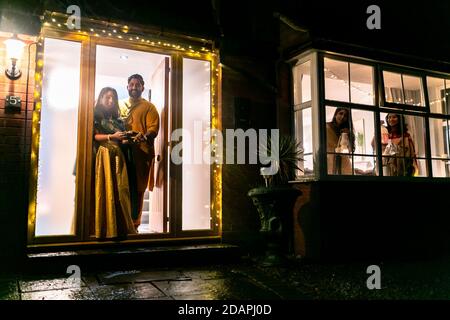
140	116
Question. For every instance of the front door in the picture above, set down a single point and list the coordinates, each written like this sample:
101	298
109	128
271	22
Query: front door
183	200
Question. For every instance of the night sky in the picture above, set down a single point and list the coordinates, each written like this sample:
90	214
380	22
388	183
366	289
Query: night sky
247	26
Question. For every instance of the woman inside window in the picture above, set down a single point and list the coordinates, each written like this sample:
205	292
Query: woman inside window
340	143
112	188
399	156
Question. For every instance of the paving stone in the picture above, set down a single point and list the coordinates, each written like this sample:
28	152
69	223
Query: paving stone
48	284
136	276
9	290
277	286
217	289
83	293
199	296
157	298
206	274
127	292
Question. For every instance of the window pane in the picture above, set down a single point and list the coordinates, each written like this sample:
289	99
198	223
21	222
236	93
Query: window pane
339	164
412	87
302	83
393	87
196	117
330	113
307	130
58	138
303	132
336	80
415	126
439	138
436	89
364	133
441	168
366	167
339	141
361	77
308	165
398	153
447	96
422	165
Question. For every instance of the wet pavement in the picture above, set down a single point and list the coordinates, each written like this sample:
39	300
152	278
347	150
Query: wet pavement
246	280
229	282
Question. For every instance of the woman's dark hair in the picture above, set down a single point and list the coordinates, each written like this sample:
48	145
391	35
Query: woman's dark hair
100	111
401	129
345	125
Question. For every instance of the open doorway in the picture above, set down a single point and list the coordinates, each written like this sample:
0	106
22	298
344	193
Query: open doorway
113	67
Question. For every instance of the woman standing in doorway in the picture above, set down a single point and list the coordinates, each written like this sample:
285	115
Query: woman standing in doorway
112	191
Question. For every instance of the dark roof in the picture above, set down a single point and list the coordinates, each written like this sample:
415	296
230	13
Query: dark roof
408	30
253	28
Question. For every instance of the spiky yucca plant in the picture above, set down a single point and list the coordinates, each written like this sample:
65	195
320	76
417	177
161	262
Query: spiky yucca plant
290	152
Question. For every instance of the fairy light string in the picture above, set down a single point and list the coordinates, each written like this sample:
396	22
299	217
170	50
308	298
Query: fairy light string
109	30
356	87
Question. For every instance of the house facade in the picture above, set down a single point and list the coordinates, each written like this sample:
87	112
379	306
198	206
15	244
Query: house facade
202	85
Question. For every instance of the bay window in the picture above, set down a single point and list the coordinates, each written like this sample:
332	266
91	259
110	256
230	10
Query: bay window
362	107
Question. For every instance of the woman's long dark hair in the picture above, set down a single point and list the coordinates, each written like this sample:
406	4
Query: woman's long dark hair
100	111
345	125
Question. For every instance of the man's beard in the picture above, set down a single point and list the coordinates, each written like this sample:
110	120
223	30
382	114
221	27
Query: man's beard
134	93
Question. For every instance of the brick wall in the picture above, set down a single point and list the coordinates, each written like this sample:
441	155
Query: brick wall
245	79
15	138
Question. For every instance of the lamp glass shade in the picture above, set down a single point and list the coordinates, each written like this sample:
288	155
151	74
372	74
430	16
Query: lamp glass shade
14	48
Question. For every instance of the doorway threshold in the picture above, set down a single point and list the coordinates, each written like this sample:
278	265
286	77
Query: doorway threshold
136	257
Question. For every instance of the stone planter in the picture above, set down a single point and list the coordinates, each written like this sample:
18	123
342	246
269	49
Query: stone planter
275	205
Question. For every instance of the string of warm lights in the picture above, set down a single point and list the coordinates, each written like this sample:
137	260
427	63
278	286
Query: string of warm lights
124	32
35	139
407	101
356	87
442	100
345	82
217	167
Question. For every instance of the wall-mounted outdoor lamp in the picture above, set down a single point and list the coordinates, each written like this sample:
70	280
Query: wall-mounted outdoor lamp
14	48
